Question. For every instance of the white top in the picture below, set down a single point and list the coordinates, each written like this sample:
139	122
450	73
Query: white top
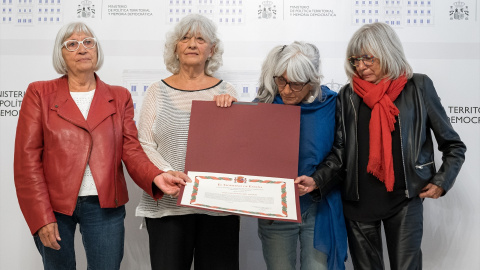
83	101
163	133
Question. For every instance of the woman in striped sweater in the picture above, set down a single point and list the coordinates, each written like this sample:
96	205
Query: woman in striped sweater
192	53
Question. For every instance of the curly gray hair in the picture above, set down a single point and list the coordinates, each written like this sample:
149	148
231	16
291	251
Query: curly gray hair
195	24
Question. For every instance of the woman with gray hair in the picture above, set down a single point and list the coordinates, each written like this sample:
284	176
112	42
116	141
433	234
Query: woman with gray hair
72	135
177	235
383	150
291	75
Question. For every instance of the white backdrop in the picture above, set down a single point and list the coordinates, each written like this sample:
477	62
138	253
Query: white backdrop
441	39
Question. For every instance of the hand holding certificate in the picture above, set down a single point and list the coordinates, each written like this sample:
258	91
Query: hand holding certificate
257	143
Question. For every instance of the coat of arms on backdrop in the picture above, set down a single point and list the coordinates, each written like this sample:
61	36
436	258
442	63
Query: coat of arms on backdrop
459	11
267	10
86	10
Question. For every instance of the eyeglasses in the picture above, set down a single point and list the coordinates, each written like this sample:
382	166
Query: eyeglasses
366	59
199	40
294	86
73	45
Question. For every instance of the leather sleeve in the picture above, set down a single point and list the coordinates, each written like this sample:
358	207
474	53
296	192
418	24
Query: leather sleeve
449	142
32	191
138	165
329	172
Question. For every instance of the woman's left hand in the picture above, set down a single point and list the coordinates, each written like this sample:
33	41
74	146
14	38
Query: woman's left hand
224	100
170	184
306	184
431	191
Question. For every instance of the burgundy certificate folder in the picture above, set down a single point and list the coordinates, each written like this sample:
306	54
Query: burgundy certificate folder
246	138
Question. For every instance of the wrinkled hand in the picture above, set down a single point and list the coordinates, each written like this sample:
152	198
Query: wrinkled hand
431	191
224	100
49	236
180	175
170	182
306	184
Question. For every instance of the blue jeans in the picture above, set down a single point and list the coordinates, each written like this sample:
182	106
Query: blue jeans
103	234
279	243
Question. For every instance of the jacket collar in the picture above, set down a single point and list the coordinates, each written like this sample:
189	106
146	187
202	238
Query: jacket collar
355	99
100	109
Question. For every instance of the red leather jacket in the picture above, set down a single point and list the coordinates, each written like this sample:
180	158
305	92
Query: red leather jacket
54	143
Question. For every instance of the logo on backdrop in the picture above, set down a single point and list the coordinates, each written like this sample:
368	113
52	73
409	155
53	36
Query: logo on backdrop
334	86
267	10
86	9
459	11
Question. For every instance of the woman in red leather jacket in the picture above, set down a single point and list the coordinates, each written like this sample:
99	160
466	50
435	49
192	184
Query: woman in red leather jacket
72	135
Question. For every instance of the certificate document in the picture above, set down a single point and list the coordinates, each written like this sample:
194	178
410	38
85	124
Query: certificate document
262	197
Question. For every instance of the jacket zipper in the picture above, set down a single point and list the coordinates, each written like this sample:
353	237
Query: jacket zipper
115	160
356	145
407	194
423	165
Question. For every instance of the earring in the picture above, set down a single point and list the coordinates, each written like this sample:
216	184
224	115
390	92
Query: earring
176	56
208	58
310	97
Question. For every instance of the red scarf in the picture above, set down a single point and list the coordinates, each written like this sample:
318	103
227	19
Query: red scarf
379	97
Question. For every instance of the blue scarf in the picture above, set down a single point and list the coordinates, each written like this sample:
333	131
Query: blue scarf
317	128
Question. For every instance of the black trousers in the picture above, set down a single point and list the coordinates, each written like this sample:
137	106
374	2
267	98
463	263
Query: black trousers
403	235
212	240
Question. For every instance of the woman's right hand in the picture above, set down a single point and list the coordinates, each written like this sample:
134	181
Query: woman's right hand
49	236
224	100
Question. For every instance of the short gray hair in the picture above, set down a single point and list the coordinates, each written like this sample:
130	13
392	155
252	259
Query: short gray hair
65	32
381	41
195	24
300	60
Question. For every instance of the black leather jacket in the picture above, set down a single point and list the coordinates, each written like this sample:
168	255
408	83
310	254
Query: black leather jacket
420	113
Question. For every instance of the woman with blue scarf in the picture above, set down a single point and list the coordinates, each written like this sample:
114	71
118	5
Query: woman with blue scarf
291	75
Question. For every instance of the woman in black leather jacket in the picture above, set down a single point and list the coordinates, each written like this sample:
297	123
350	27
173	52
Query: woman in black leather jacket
383	151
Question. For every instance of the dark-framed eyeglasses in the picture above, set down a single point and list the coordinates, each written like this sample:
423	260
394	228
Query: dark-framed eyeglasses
294	86
73	45
366	59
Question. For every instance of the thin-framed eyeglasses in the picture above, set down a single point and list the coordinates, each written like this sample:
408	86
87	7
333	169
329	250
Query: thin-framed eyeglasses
73	45
366	59
199	40
294	86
